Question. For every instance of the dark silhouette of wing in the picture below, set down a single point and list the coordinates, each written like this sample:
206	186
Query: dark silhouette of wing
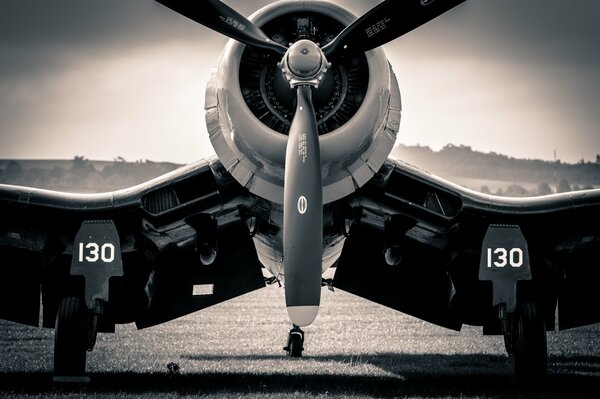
418	247
183	245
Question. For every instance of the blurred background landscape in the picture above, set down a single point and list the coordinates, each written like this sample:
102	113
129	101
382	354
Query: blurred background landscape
490	173
494	173
80	174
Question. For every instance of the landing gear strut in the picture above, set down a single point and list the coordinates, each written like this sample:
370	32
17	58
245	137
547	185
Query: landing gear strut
295	344
525	339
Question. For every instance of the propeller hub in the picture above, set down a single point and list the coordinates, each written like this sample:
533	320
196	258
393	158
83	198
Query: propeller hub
304	64
304	59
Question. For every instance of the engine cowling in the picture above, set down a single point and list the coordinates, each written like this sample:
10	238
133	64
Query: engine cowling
249	105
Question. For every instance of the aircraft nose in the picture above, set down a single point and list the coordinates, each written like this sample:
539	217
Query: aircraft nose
302	316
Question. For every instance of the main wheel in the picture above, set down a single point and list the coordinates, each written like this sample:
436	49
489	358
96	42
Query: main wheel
70	338
529	345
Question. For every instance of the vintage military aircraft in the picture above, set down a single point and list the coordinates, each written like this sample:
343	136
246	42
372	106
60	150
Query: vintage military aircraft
302	111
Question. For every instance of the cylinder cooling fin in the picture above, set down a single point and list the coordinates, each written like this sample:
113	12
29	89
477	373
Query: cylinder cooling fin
249	105
269	96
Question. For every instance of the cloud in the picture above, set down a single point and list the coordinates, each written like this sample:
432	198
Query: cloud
110	66
73	22
102	78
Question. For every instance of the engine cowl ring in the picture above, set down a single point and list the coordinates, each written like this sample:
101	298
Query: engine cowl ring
253	150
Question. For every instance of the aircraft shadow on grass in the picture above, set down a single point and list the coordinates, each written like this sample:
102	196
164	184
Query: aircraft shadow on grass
461	375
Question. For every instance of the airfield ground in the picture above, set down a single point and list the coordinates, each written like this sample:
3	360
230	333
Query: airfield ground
354	349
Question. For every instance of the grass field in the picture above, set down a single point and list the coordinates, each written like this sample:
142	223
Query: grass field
354	349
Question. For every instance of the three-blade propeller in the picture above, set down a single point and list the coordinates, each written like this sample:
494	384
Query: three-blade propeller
303	214
219	17
304	65
385	22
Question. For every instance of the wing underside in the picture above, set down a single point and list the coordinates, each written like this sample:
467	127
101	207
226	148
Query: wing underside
183	244
417	244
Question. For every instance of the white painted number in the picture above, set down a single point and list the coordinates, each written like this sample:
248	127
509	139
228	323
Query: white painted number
516	257
106	252
501	257
94	249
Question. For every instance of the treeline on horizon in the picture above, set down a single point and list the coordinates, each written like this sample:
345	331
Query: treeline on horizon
517	177
461	161
81	174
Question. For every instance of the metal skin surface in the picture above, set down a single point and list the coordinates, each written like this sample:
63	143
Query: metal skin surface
221	18
255	155
303	212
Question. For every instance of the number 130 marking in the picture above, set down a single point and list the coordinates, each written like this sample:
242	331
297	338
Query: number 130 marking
501	257
106	252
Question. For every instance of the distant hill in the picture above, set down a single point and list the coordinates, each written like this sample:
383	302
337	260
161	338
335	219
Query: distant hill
491	172
80	174
497	173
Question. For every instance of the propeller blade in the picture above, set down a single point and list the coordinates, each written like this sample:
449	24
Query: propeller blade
386	22
303	214
219	17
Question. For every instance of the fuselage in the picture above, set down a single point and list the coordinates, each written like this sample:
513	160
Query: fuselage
268	240
300	133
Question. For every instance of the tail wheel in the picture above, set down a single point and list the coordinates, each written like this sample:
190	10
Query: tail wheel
529	343
70	338
295	344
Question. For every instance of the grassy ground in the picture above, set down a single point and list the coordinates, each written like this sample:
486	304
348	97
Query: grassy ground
354	349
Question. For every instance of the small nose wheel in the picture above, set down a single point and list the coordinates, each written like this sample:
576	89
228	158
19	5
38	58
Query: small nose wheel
295	344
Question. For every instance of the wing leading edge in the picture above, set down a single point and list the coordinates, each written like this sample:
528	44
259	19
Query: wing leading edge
417	247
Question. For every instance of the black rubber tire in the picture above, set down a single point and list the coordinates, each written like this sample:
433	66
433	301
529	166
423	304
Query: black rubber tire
70	338
530	345
295	345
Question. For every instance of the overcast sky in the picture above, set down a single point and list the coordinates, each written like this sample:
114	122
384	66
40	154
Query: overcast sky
107	78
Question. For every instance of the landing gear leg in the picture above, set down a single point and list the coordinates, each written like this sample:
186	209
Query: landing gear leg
507	330
295	344
71	341
93	324
529	343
